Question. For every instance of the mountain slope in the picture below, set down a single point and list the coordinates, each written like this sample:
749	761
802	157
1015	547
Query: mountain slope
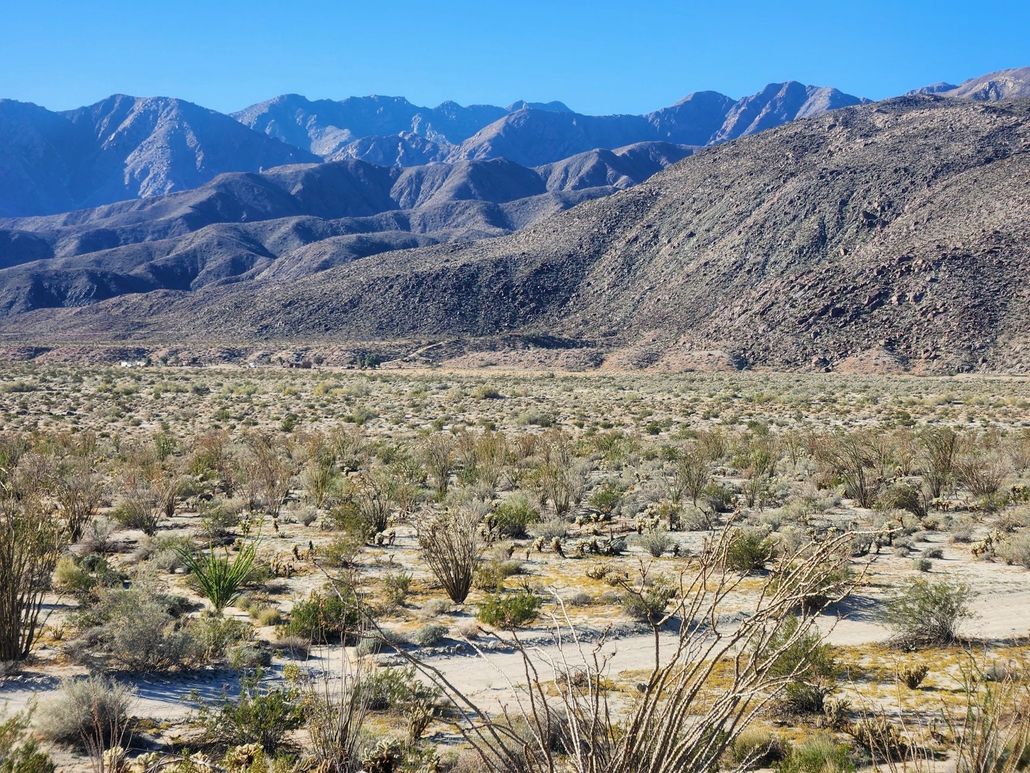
897	231
239	225
121	148
534	137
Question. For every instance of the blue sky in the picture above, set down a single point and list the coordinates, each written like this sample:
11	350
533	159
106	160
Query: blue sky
599	57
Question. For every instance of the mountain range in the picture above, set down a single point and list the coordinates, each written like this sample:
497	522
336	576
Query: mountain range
871	236
127	147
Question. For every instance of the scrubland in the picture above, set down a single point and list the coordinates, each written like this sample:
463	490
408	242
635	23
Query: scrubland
342	570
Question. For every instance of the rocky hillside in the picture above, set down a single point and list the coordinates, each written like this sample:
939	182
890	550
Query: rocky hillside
886	236
292	221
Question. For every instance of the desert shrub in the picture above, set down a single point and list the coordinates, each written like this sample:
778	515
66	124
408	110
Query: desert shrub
982	472
219	578
748	550
88	714
324	617
551	529
1015	549
561	477
136	629
259	715
218	517
606	498
82	577
656	542
371	495
429	634
509	610
922	564
449	543
852	459
913	676
217	636
19	752
717	497
484	392
758	748
902	496
691	474
940	451
818	754
392	688
808	665
79	490
927	614
695	519
396	587
438	457
31	542
648	600
490	575
510	518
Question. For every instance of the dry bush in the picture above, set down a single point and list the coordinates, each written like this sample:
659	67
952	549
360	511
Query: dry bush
450	544
852	458
940	448
32	539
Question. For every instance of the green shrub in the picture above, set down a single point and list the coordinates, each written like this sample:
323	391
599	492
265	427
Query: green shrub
927	614
490	575
657	542
136	629
807	663
510	518
748	550
429	635
393	688
509	611
818	754
758	748
19	752
259	715
323	617
396	587
648	602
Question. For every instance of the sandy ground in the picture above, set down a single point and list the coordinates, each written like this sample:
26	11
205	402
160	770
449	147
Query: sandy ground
1002	612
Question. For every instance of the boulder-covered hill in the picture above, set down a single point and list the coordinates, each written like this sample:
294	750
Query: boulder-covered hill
892	235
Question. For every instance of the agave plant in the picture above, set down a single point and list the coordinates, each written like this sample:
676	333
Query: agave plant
220	577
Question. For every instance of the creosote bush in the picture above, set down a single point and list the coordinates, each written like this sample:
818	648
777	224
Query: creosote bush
927	613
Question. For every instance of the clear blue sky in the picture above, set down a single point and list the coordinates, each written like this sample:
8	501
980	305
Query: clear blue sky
599	57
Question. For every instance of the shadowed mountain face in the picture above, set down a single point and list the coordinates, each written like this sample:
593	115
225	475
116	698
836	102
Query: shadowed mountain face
292	221
121	148
897	232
